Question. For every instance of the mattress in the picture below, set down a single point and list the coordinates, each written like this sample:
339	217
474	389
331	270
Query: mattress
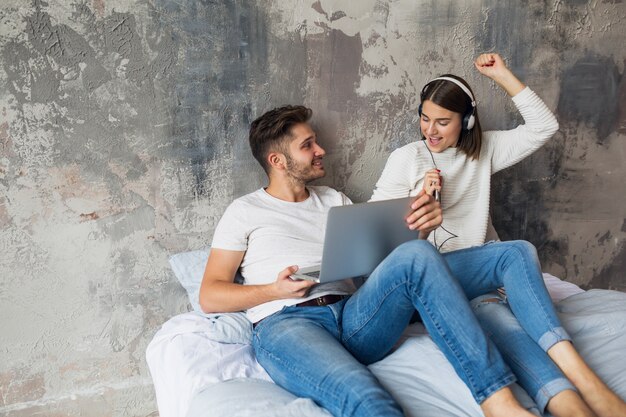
196	376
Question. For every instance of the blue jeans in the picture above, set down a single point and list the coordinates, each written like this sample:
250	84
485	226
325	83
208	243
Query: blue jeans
535	371
322	352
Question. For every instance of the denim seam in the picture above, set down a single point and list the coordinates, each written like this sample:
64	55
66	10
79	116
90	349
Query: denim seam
495	387
444	336
304	377
530	372
544	392
408	283
555	335
383	298
550	390
534	294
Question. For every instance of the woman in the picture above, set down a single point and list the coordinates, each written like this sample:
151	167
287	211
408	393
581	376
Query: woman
455	149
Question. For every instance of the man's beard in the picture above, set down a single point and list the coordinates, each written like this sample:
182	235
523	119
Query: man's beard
301	172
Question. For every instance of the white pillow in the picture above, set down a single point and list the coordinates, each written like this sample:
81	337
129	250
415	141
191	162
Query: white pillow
558	289
189	269
226	327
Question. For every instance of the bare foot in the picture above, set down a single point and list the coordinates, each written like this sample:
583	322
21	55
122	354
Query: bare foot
569	404
599	397
606	404
503	403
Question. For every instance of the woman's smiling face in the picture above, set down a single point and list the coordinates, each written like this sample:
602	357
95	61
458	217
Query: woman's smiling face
441	127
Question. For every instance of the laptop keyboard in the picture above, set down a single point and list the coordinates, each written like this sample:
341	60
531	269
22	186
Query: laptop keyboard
314	274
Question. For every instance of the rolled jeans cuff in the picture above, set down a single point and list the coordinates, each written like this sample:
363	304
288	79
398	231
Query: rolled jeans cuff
485	393
552	337
548	391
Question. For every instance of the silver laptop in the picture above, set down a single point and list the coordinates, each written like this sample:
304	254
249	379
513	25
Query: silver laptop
358	238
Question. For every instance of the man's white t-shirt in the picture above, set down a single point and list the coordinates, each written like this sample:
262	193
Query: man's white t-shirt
276	234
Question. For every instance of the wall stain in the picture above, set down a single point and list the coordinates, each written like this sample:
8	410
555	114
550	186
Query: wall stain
621	124
518	212
19	384
219	72
66	47
124	132
89	216
345	60
590	94
495	34
611	276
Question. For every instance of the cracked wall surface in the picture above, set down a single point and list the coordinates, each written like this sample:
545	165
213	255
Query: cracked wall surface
123	136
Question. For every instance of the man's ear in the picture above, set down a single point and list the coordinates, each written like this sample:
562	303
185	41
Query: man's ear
277	161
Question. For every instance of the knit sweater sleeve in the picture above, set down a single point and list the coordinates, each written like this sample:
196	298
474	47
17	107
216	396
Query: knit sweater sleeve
396	179
508	147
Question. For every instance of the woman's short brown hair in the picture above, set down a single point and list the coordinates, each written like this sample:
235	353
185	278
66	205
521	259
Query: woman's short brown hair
269	131
450	96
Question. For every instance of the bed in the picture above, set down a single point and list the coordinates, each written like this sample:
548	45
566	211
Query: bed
202	365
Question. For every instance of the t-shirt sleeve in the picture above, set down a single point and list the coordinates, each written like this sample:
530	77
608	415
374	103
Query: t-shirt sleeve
232	231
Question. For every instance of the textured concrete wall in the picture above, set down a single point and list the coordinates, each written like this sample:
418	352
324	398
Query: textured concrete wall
123	137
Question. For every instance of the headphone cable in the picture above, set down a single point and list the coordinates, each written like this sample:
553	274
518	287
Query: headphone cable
441	225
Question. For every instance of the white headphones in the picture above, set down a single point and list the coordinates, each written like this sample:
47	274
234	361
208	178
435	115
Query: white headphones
468	119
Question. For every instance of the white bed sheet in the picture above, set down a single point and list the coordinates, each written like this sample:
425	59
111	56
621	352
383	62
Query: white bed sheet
184	360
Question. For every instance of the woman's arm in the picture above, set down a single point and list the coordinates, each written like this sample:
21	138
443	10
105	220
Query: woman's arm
506	148
492	66
395	180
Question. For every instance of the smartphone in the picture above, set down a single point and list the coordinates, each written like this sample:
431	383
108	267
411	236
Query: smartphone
307	274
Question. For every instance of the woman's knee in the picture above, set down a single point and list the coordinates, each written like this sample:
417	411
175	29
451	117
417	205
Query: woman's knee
415	256
417	249
523	247
519	251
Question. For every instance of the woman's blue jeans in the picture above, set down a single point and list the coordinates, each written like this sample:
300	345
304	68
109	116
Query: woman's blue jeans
322	352
540	377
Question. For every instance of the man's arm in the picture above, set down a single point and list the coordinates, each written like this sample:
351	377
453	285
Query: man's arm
219	293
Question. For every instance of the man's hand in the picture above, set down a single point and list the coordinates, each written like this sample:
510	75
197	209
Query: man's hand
286	287
427	214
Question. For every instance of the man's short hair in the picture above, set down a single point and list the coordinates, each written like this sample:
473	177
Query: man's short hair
270	131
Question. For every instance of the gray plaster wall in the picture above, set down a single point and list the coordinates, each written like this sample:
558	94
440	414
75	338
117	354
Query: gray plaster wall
123	136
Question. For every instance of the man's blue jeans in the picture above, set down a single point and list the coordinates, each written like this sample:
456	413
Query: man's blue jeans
322	352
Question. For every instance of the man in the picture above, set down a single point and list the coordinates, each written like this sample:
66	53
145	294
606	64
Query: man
316	340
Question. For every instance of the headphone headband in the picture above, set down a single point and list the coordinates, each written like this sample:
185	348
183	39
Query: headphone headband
468	118
459	84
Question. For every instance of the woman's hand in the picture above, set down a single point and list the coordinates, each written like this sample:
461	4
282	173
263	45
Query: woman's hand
426	215
492	66
432	181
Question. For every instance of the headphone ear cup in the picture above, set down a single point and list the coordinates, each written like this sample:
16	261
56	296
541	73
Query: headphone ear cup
468	121
419	110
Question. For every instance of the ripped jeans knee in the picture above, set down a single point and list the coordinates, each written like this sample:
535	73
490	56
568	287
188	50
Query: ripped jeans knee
489	299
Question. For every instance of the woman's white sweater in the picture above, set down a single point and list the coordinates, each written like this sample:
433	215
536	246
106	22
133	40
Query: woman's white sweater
466	182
